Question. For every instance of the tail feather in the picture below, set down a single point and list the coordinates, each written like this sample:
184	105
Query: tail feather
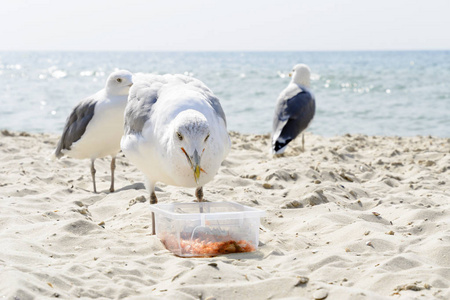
280	146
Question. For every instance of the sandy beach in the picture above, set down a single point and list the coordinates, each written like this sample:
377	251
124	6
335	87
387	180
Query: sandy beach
352	217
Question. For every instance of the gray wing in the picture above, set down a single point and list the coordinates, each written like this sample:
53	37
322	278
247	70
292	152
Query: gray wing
140	102
292	116
210	97
76	125
215	103
144	94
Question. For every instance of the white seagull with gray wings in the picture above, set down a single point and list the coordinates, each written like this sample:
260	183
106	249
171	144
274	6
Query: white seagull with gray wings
175	132
95	126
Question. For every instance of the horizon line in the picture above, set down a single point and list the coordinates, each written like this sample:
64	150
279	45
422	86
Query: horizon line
175	51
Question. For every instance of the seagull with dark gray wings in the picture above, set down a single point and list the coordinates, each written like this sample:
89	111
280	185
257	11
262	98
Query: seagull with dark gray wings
294	110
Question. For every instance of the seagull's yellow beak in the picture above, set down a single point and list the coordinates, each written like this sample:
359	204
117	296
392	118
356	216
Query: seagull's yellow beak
194	162
196	165
197	173
290	74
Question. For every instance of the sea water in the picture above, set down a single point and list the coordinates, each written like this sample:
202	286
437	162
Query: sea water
401	93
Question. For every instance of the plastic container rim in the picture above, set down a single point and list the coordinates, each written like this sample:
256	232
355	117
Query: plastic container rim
249	212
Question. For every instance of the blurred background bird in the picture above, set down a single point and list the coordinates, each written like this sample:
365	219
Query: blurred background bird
295	109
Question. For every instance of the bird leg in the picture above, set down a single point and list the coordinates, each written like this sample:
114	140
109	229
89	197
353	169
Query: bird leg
113	167
303	142
93	174
199	195
153	200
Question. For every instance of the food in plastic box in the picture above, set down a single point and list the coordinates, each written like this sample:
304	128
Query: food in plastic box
207	228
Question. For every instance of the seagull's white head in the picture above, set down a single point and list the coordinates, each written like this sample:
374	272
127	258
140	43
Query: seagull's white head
119	83
191	134
301	75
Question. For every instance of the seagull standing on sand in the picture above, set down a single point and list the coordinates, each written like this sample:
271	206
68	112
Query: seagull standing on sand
95	126
175	132
294	111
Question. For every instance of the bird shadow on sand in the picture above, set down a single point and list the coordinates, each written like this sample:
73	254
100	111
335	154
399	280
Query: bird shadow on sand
134	186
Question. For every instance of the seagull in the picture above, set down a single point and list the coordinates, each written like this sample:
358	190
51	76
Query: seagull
294	110
175	132
95	125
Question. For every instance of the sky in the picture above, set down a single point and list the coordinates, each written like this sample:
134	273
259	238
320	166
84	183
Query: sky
229	25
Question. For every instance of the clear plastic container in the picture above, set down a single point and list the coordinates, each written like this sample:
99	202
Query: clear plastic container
207	228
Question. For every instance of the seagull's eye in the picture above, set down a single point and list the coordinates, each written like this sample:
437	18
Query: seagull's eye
180	137
119	80
207	137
